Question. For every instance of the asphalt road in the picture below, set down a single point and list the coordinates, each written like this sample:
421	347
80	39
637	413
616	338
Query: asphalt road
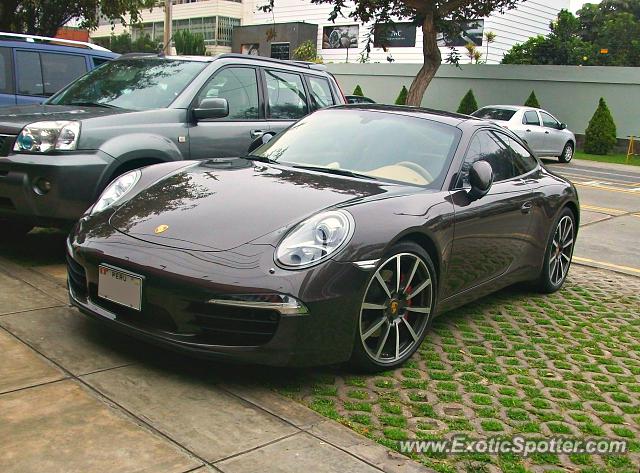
610	202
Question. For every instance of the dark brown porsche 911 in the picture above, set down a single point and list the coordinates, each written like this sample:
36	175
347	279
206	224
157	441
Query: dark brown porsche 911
339	239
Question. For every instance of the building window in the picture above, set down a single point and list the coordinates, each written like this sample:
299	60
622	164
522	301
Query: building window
280	51
225	29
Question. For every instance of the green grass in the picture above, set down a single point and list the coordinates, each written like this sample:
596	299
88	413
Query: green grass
610	158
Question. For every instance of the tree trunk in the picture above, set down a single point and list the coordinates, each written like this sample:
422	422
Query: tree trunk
432	61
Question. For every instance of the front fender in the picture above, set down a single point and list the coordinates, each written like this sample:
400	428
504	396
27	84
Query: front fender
142	146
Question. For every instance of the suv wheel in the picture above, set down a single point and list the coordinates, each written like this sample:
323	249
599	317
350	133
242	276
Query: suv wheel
567	153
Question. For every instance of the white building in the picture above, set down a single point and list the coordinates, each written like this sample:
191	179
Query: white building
214	19
531	18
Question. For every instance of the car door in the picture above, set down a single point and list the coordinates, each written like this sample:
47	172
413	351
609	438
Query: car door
532	131
229	136
490	233
555	139
286	98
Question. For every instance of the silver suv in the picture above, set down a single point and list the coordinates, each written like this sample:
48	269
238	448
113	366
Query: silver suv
544	133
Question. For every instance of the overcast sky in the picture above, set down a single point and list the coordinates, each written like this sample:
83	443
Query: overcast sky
576	4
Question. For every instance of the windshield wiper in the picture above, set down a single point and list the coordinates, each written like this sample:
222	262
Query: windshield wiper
337	171
93	104
262	159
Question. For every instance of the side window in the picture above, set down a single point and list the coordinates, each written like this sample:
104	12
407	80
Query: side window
6	71
29	73
287	99
320	93
239	85
531	118
99	61
549	121
523	161
486	146
59	70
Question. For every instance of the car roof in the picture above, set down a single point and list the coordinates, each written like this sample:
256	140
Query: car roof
244	57
44	43
511	107
449	118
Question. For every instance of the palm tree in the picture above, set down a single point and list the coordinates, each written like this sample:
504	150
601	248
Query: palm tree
490	37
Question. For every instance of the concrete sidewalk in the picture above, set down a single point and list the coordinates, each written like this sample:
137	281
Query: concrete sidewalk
77	398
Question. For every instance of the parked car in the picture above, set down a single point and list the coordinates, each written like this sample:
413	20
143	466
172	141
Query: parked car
33	68
140	110
544	133
358	99
339	239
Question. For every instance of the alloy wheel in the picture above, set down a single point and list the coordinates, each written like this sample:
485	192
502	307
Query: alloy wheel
561	251
396	308
567	155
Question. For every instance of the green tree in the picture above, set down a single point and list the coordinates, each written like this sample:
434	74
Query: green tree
44	17
606	34
307	51
601	135
432	16
468	104
358	91
402	96
532	101
189	44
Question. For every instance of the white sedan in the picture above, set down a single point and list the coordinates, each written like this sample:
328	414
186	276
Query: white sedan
545	134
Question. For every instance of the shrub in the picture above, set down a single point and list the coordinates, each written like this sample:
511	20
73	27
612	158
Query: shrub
532	101
123	44
358	91
600	137
189	44
402	96
468	104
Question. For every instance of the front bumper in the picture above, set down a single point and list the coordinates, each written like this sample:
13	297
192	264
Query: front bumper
178	284
75	180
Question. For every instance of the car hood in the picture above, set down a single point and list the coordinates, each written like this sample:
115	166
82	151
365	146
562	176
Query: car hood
213	207
13	119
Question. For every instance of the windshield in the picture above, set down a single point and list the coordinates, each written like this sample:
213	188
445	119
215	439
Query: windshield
136	84
492	113
376	144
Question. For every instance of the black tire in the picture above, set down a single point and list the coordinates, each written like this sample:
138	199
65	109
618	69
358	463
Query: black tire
550	280
407	317
567	153
11	230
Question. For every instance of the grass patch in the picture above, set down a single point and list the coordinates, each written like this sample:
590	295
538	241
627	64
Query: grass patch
610	158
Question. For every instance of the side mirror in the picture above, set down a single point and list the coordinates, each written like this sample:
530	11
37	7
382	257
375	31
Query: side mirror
211	108
481	179
563	126
259	141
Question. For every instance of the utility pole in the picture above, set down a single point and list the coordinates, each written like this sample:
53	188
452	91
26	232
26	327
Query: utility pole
167	27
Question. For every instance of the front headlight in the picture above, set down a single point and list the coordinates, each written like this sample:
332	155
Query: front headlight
116	191
42	137
315	239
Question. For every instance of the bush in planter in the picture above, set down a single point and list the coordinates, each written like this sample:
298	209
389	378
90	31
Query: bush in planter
601	136
468	104
532	101
358	91
402	96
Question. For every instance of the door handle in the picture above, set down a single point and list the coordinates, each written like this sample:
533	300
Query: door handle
527	207
546	132
256	133
528	131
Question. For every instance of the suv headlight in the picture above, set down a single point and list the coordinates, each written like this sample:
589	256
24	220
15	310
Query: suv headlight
315	239
116	191
42	137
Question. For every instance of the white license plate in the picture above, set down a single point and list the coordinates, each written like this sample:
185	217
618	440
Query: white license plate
120	287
